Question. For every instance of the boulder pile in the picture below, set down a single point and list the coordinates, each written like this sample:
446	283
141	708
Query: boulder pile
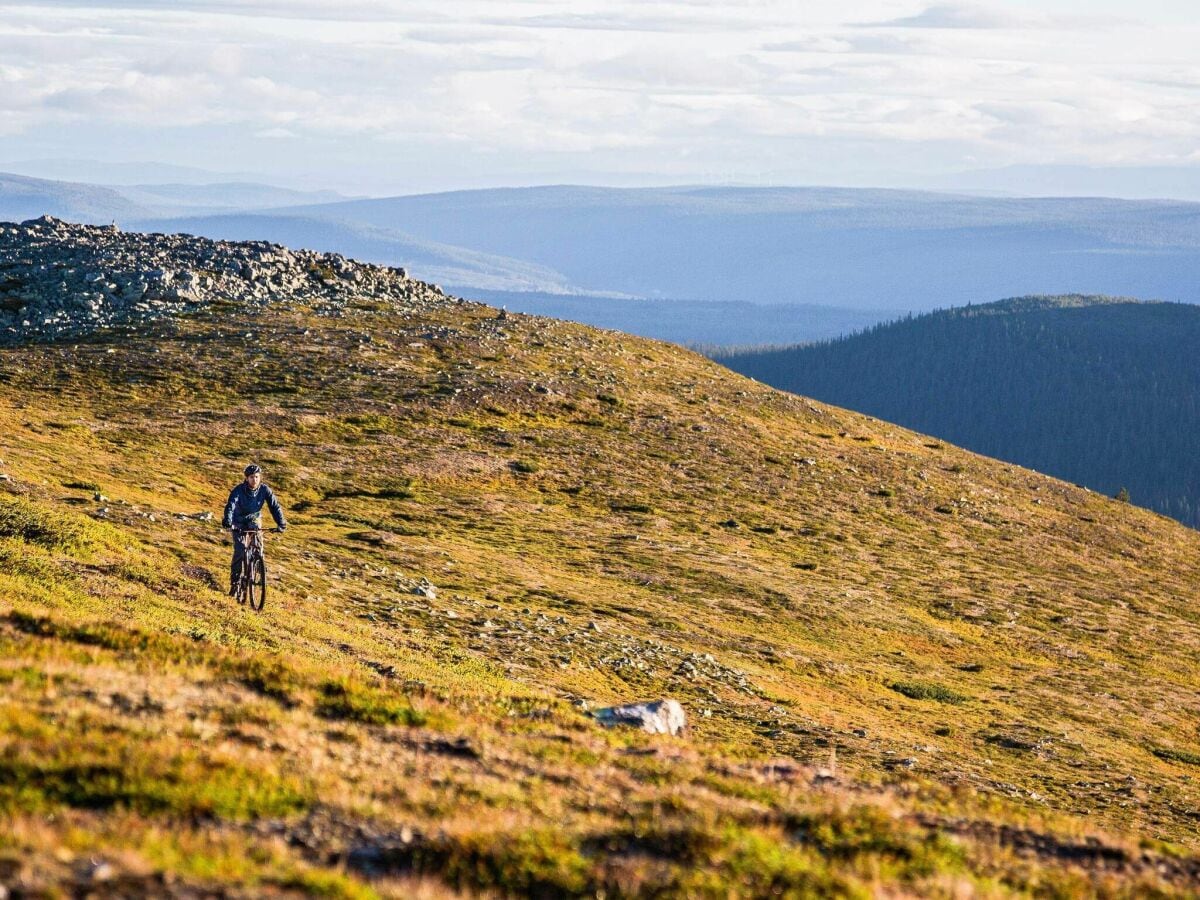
60	280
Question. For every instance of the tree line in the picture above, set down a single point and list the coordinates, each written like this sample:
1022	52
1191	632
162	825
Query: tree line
1100	391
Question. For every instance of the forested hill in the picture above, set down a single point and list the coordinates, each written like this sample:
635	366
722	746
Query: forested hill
1101	391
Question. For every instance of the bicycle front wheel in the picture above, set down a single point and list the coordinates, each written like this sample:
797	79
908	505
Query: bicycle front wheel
258	584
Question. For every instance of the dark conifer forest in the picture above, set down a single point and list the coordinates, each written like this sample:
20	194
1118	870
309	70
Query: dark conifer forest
1101	391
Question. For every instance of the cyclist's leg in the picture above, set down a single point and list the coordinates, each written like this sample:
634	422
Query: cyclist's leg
235	568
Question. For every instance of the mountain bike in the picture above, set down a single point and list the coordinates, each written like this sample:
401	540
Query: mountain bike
252	579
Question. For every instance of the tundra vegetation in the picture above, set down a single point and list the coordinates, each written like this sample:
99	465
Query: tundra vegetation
909	670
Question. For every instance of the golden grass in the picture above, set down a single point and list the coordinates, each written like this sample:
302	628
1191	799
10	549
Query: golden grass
993	671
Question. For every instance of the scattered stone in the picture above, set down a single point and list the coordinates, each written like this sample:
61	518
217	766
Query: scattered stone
657	717
64	280
425	589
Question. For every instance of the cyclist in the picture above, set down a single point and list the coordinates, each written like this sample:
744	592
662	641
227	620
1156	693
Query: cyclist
243	512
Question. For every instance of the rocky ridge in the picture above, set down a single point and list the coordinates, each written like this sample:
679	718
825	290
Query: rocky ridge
59	279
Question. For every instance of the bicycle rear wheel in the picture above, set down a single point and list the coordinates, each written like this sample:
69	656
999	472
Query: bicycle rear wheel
258	583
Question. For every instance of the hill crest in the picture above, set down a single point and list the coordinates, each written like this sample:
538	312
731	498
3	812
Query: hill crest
1037	302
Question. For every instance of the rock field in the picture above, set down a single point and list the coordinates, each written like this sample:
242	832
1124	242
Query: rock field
60	280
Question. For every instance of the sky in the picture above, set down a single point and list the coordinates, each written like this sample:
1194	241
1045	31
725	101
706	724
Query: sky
402	96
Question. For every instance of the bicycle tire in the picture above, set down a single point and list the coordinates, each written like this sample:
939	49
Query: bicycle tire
258	584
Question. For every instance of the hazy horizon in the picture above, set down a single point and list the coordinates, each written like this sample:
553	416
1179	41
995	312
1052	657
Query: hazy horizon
1178	183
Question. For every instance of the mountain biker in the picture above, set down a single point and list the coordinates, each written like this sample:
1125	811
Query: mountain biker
243	512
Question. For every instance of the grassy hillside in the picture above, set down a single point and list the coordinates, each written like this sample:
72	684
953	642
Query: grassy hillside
1096	390
909	670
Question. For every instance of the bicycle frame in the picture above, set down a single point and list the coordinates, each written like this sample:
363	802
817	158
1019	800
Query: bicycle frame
251	538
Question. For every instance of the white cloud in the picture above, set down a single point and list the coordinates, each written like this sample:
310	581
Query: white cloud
811	43
672	87
956	15
679	68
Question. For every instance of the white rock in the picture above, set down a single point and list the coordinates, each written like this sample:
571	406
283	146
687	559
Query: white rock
657	717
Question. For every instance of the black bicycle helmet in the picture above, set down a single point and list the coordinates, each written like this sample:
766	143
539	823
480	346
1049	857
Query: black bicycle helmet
252	469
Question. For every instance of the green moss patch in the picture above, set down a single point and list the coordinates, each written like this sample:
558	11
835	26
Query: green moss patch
926	690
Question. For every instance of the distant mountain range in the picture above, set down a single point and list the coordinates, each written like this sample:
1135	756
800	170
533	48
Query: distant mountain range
221	196
442	263
1100	391
27	198
23	197
801	264
125	172
1134	182
864	249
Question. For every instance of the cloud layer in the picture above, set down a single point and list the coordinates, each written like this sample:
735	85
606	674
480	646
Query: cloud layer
414	93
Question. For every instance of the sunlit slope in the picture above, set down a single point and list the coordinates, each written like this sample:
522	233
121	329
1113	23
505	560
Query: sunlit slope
605	518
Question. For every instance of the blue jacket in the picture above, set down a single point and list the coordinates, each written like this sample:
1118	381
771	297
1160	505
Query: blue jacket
244	507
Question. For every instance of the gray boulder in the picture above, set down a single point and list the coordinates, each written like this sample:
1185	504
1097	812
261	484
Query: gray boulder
657	717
